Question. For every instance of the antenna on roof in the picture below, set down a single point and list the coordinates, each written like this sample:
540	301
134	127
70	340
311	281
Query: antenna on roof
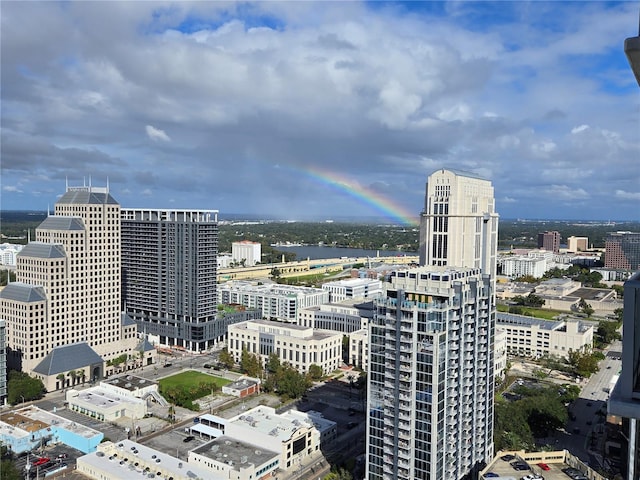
107	184
89	182
66	183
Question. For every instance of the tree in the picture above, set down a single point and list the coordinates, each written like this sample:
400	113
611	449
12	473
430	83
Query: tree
171	413
61	378
10	471
585	308
250	364
226	359
273	363
73	375
315	371
22	385
4	274
275	273
607	332
82	374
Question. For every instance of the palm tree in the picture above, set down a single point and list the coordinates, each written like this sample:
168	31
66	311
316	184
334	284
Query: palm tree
172	413
141	355
82	375
60	378
73	376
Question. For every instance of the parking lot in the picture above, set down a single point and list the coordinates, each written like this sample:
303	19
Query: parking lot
504	469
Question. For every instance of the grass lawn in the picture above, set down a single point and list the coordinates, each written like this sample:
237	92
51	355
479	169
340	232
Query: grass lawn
542	313
191	377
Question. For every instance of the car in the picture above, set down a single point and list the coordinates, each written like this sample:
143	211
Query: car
38	462
167	365
188	439
207	365
491	475
520	465
608	367
544	466
63	455
508	457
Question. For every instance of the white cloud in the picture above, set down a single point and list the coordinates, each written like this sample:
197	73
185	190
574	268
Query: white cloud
147	192
11	188
156	134
627	195
579	129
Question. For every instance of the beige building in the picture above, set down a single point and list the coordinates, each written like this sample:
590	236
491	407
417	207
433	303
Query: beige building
105	405
299	346
246	253
68	291
533	337
500	355
577	244
345	317
359	348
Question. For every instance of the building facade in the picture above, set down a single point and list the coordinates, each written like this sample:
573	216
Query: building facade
533	337
459	225
624	401
431	378
281	302
577	244
68	289
346	317
622	251
3	362
299	346
169	275
521	266
549	241
353	288
246	253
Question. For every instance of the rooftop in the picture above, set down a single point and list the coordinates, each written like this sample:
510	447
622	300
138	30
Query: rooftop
235	453
129	382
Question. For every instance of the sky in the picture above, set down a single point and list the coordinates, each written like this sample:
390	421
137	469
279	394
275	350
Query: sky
302	109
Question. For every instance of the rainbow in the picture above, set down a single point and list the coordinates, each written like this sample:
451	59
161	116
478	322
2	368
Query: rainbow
365	195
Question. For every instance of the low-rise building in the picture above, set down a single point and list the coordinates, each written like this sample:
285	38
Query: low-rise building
29	428
359	348
125	460
345	317
104	405
275	301
353	288
242	387
299	346
500	357
534	337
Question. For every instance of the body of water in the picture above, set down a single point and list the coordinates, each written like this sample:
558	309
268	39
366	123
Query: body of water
315	252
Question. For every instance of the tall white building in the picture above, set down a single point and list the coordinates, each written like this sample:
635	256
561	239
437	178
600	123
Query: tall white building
459	225
431	376
63	313
431	351
246	252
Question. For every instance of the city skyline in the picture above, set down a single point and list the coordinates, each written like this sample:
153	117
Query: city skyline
323	109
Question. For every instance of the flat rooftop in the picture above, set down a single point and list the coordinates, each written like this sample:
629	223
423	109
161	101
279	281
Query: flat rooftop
555	461
100	397
129	382
235	453
32	419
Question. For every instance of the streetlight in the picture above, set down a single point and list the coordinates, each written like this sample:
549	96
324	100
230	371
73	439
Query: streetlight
632	50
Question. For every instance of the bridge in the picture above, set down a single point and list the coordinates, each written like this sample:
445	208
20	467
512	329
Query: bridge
308	266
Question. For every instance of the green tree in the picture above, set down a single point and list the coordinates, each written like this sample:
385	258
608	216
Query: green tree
585	308
171	413
22	385
315	371
250	364
338	473
4	274
10	471
607	332
275	273
61	379
273	363
226	359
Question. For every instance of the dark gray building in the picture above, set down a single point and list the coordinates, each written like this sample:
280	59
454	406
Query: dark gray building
169	276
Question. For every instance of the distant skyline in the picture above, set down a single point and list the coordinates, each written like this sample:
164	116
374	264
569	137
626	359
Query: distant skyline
299	110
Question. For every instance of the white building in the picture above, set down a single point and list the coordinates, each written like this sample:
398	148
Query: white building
534	337
246	253
345	317
9	253
104	405
431	378
353	288
521	266
125	460
359	348
458	223
299	346
501	357
281	302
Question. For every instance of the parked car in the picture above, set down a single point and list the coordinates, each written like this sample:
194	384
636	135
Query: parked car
188	439
544	466
38	462
520	465
491	475
508	457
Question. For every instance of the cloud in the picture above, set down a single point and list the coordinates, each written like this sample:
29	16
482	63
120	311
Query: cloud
628	195
11	188
383	94
156	134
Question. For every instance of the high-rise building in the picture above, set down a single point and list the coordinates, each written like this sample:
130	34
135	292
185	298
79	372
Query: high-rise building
431	342
577	244
3	362
549	241
431	376
622	251
624	400
169	275
459	225
67	293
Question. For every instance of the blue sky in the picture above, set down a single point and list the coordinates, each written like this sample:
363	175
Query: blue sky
232	106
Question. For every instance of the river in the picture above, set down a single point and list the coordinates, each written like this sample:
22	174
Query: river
315	252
